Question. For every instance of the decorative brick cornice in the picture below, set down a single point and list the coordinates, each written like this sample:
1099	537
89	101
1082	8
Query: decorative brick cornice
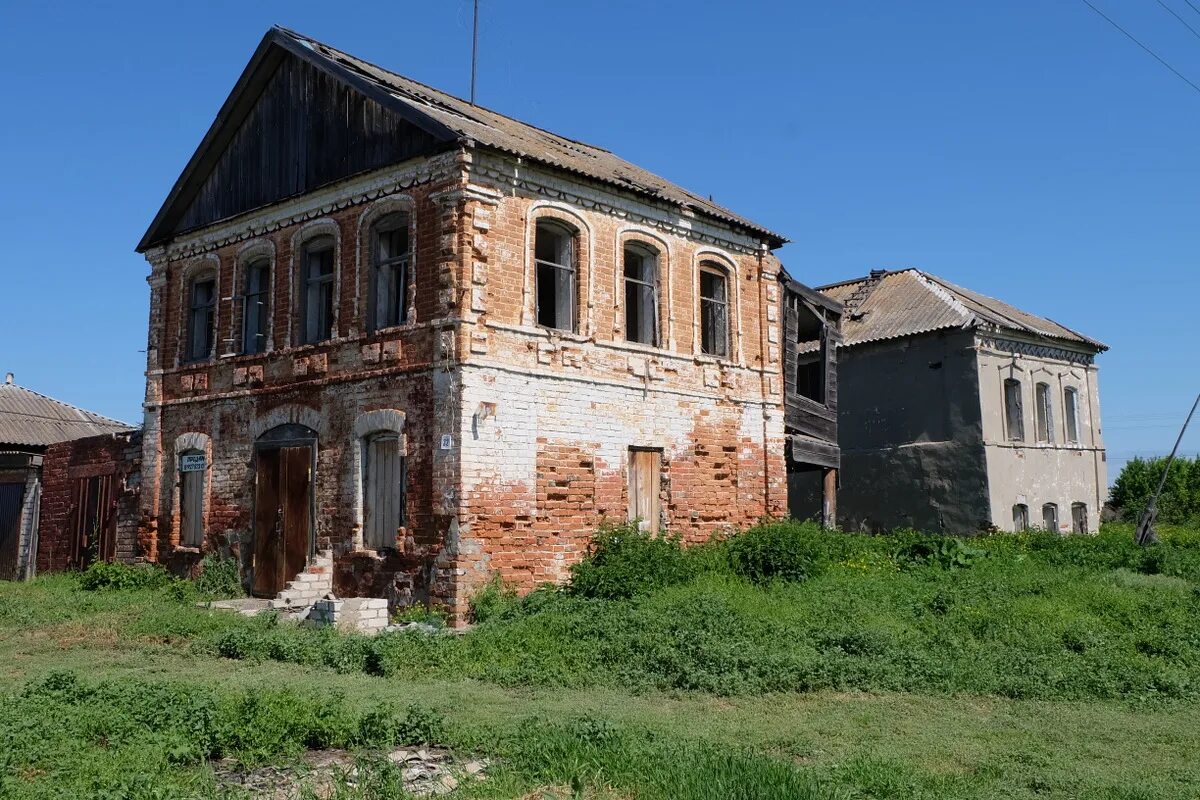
1036	350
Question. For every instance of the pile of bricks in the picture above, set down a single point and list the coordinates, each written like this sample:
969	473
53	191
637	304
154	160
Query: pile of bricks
367	615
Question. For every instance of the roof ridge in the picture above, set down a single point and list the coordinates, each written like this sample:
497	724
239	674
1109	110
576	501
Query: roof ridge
944	294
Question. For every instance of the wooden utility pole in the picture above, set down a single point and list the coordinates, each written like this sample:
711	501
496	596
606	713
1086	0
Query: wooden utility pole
1145	530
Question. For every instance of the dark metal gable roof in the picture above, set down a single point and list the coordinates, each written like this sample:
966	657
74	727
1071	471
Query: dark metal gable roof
446	117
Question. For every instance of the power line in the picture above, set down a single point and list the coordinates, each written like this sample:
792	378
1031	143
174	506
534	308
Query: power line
1136	41
1193	5
1182	21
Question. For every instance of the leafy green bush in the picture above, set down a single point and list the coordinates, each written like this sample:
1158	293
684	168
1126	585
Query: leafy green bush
493	600
780	551
943	551
219	577
103	575
1180	500
624	562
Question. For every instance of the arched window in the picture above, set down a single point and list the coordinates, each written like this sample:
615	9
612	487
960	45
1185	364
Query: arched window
192	468
641	294
384	497
1020	517
256	306
1043	413
1014	413
1050	517
202	317
390	257
1079	517
1071	410
554	255
316	290
714	310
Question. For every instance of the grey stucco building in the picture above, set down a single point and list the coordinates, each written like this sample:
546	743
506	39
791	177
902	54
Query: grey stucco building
960	413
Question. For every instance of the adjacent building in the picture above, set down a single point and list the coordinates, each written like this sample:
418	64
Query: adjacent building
437	344
33	429
960	413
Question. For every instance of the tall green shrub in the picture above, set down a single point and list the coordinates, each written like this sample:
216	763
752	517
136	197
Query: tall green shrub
1180	500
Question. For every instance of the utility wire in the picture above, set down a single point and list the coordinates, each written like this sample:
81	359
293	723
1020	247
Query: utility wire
1134	39
1182	21
1193	5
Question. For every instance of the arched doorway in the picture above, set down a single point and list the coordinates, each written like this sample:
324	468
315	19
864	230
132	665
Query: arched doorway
284	467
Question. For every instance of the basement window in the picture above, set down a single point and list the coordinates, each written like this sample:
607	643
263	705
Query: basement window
316	291
1014	415
554	257
1050	517
389	269
202	317
641	294
714	310
384	471
1020	517
256	306
1071	409
1043	413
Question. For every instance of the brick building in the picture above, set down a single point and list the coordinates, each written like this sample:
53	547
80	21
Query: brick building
441	343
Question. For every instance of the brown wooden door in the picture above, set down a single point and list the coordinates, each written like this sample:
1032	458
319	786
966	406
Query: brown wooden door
282	517
644	488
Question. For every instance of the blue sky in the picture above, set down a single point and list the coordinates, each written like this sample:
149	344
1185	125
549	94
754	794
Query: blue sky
1025	149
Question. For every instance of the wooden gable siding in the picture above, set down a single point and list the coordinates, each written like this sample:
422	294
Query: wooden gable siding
802	415
306	129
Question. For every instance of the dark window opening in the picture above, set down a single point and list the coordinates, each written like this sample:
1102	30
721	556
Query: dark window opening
1079	517
554	256
1043	413
1013	412
810	348
1050	517
390	268
1020	517
316	297
1071	408
256	307
202	318
714	311
641	295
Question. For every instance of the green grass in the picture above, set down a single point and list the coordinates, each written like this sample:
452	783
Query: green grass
790	664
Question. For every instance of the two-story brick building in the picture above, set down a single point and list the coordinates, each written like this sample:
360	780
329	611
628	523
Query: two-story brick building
442	343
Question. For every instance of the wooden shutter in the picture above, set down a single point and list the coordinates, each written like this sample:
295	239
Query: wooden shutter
191	508
383	491
644	488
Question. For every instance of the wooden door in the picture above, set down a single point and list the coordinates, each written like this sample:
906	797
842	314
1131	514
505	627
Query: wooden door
282	517
644	488
11	497
93	520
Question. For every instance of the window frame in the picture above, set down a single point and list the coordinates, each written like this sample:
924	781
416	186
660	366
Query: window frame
653	255
1053	509
370	538
1043	413
715	268
1020	513
262	296
1079	522
1071	414
210	325
400	267
198	480
570	235
311	248
1014	412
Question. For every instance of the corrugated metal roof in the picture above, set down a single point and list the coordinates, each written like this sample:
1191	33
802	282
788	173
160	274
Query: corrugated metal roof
888	305
33	419
491	129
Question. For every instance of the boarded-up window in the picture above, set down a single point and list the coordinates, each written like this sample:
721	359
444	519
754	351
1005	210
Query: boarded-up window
644	482
714	310
641	294
191	498
1050	517
1020	517
256	308
1071	409
1079	517
1044	413
389	282
383	490
1014	413
201	317
316	291
554	256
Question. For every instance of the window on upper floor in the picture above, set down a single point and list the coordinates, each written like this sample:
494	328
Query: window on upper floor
554	257
1050	517
1014	413
641	294
1020	517
714	310
1071	410
202	317
256	306
390	258
1043	413
810	348
384	471
316	290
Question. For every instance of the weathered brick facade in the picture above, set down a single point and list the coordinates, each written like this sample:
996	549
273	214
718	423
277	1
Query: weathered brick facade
516	437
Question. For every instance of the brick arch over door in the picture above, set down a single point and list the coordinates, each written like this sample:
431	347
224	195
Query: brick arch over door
290	414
